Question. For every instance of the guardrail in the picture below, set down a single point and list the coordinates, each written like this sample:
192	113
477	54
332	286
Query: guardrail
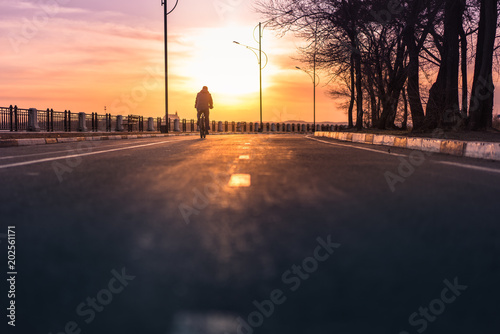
33	120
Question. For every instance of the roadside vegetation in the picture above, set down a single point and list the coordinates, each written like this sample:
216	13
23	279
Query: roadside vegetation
408	64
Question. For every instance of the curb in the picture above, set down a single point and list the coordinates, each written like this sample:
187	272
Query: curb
44	141
477	150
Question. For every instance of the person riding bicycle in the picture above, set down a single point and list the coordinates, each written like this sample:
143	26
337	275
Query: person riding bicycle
203	104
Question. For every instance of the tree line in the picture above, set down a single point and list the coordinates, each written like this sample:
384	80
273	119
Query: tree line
380	50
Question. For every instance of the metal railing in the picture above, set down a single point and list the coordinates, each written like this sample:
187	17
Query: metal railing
17	119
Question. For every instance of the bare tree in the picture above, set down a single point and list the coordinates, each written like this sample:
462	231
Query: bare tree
481	106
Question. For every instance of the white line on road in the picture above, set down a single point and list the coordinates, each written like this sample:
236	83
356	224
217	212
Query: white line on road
25	163
357	147
457	164
240	180
95	143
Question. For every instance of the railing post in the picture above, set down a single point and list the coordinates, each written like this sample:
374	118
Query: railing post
51	120
69	120
82	126
177	127
16	120
33	120
65	121
119	123
151	124
11	113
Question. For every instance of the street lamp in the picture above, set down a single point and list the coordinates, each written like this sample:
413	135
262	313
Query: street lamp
315	84
259	58
165	14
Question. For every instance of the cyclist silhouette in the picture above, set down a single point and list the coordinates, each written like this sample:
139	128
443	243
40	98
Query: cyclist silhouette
203	104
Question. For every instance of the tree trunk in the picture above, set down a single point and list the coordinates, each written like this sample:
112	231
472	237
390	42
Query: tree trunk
481	107
390	103
353	90
373	104
465	95
404	126
396	83
359	91
442	107
414	98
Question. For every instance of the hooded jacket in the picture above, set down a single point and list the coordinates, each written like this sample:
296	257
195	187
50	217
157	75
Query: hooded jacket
204	100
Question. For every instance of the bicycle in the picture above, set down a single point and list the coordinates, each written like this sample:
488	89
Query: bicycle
201	125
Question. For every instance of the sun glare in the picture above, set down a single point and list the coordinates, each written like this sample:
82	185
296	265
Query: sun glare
229	70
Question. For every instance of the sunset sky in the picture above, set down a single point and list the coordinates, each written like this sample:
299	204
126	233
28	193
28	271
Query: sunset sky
84	55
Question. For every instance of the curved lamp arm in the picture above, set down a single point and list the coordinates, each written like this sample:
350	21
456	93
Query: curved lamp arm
255	53
312	78
164	3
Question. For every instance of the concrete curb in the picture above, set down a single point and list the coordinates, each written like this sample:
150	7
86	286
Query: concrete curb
44	141
478	150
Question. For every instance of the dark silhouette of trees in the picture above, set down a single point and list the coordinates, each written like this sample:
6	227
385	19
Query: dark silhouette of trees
379	48
443	96
481	106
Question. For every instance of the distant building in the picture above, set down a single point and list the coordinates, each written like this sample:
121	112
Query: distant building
172	117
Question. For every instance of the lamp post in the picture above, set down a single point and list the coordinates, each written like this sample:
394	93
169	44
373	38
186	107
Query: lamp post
315	84
165	22
259	59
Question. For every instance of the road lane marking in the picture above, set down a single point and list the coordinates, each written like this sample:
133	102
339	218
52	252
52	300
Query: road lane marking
457	164
95	143
25	163
359	148
244	157
240	181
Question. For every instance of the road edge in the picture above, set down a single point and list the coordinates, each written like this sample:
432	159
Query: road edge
45	141
469	149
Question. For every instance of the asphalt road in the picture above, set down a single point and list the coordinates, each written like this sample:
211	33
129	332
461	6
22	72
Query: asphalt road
156	236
